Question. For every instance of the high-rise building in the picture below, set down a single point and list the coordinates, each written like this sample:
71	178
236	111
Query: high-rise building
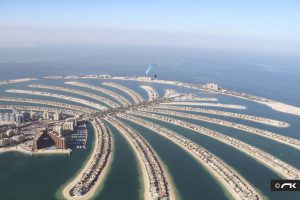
19	138
32	115
212	86
46	115
6	117
58	129
73	120
47	139
5	141
19	119
57	116
15	111
59	141
10	133
68	126
12	117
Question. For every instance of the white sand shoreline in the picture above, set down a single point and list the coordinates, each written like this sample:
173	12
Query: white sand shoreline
146	180
216	176
275	164
58	96
292	142
261	120
275	105
94	190
14	149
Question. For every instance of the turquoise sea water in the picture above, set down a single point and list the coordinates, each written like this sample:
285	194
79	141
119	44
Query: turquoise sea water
36	178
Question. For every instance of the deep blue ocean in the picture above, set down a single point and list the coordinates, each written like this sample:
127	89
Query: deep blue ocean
271	76
268	76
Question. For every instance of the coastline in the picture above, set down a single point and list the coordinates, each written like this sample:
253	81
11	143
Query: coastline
219	180
225	186
282	107
34	153
292	142
274	105
14	149
285	170
58	96
70	184
143	170
261	120
145	178
54	151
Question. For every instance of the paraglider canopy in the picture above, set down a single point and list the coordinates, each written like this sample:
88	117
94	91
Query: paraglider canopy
149	68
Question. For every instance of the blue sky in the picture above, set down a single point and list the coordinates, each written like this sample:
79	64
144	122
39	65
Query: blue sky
223	23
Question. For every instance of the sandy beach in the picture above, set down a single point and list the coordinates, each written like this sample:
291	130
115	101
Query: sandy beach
292	142
275	105
59	96
282	107
92	192
137	98
146	180
80	92
261	120
217	177
114	95
52	151
14	149
39	152
49	103
280	167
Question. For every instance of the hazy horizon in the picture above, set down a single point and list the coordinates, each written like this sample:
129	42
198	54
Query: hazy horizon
256	26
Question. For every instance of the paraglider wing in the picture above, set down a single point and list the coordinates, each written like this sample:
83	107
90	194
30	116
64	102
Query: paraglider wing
149	68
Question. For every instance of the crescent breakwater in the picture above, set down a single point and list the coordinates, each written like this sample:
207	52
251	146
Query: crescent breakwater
157	184
267	134
256	119
275	105
280	167
59	96
235	184
200	99
94	172
134	95
112	94
80	92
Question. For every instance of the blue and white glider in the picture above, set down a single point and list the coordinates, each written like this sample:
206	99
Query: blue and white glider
149	68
